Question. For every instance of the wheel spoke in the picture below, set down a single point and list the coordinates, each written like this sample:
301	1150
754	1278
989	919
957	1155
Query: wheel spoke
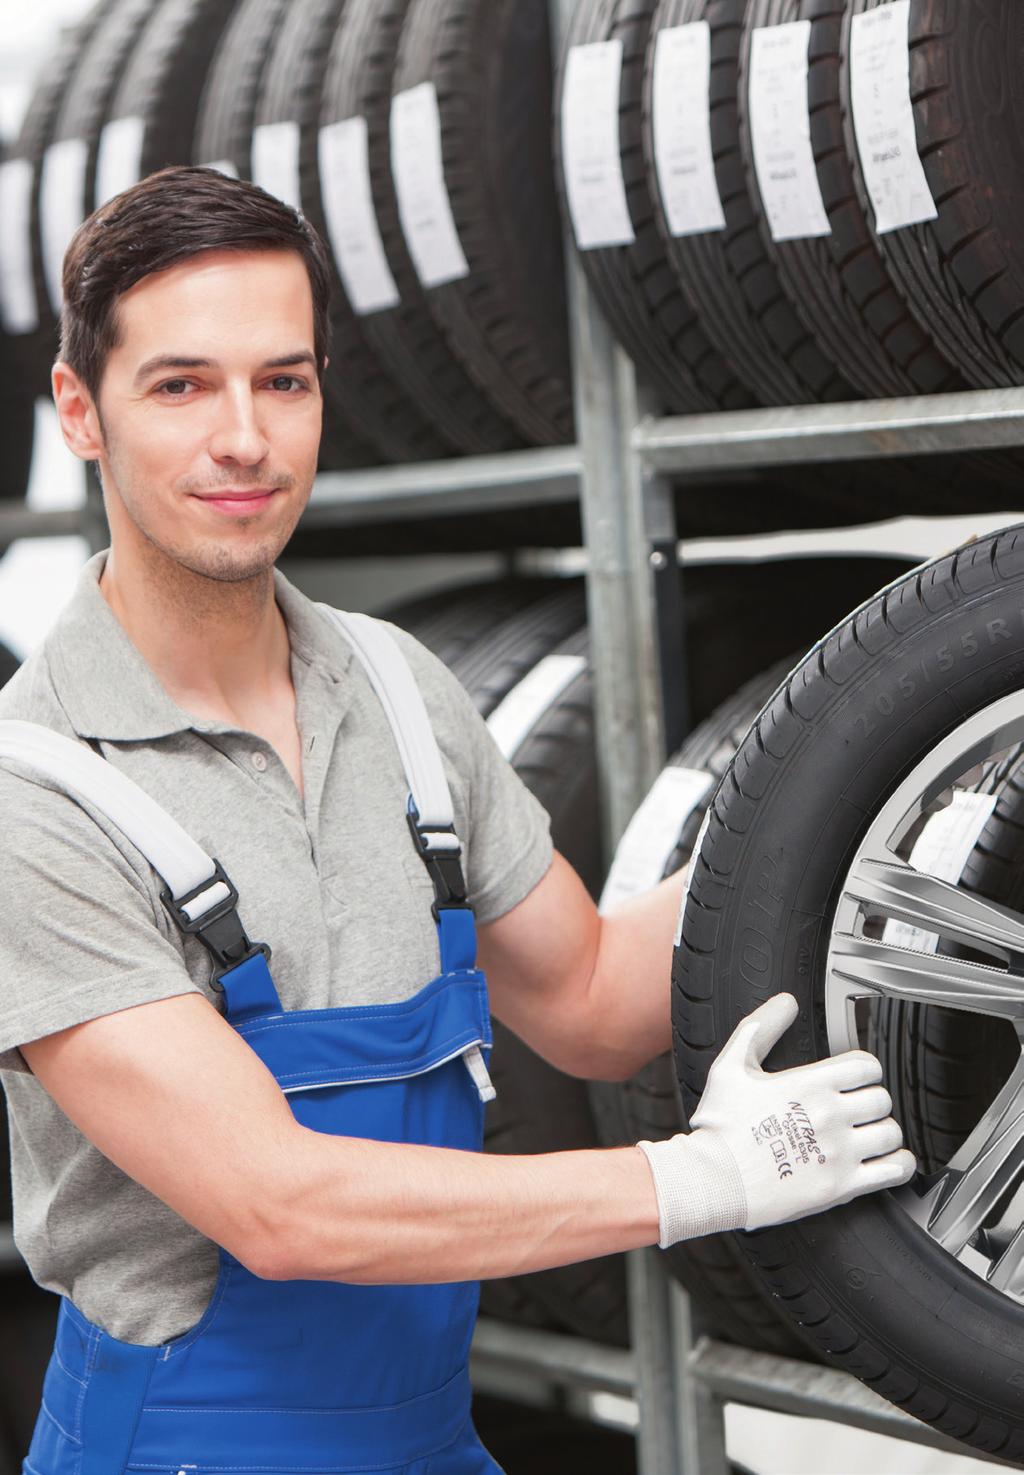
898	890
861	965
983	1172
1007	1273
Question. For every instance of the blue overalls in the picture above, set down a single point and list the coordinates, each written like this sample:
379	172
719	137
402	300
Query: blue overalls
282	1377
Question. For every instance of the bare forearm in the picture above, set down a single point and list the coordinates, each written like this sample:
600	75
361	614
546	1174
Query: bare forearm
379	1213
629	1000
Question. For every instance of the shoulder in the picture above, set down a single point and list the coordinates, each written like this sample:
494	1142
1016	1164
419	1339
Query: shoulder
30	694
46	831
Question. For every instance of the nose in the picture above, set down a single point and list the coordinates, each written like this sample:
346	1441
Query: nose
238	435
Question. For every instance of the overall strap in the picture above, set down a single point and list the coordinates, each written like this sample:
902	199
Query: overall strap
430	813
197	893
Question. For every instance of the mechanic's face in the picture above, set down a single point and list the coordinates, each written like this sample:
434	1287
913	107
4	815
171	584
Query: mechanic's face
211	412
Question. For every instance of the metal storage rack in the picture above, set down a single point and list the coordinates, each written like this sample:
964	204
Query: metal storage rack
680	1378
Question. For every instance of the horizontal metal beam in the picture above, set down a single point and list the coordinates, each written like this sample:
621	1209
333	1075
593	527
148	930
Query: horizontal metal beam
733	1374
571	1360
790	1386
429	488
982	419
19	521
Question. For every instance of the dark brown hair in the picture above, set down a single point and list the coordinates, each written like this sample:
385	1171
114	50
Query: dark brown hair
165	219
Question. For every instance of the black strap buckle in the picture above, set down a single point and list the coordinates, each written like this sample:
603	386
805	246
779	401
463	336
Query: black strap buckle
219	929
444	867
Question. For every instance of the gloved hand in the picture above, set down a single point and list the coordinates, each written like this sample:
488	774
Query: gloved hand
770	1147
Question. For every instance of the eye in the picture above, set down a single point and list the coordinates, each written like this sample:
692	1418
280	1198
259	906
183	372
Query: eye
174	388
287	381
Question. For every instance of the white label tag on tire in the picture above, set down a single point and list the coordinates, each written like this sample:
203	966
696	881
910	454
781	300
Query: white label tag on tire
883	118
61	208
18	307
591	157
681	118
344	156
518	713
653	833
119	160
224	166
275	161
942	850
780	128
417	166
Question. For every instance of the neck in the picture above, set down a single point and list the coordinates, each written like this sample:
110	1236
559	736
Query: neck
217	647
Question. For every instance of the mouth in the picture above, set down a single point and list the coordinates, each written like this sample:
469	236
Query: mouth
240	501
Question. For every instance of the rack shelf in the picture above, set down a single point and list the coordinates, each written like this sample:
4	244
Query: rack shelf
977	419
463	484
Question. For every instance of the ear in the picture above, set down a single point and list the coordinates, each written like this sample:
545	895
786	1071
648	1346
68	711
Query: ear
79	421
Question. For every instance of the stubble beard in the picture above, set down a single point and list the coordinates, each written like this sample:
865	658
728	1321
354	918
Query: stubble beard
212	558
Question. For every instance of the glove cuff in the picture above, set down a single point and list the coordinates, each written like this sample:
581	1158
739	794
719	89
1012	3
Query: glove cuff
698	1186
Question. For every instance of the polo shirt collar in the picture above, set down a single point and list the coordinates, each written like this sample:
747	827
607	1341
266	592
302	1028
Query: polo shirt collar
111	693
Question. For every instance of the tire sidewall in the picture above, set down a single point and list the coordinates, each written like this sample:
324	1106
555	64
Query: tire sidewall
785	854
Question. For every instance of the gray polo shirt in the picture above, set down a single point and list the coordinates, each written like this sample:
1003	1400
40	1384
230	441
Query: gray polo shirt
330	881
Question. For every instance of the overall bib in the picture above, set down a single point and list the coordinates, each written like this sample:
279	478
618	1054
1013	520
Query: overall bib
283	1377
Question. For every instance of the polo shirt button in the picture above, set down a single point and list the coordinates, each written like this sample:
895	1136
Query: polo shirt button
259	761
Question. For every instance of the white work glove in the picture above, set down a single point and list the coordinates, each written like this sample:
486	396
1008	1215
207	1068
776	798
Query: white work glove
768	1148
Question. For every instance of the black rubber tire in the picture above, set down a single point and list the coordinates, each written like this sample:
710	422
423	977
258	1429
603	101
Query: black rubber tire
37	349
17	415
405	339
164	79
635	284
451	622
91	88
729	277
490	62
360	398
839	283
875	1293
491	668
17	429
731	1297
962	275
227	108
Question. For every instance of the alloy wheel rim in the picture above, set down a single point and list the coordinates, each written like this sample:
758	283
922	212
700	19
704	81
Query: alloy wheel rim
973	1206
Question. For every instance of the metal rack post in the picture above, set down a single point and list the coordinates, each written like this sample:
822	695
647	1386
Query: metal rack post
628	519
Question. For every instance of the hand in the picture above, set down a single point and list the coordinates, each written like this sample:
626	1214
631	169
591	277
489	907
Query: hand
769	1148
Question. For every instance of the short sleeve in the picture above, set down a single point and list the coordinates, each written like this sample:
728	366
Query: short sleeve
78	933
507	832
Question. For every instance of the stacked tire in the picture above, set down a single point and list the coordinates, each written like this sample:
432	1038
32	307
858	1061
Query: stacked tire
833	182
414	135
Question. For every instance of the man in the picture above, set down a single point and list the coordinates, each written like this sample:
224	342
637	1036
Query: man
253	1186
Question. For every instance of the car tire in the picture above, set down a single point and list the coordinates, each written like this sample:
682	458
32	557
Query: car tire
785	893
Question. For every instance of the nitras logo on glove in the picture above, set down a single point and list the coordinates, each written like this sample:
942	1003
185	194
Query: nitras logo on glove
768	1147
792	1140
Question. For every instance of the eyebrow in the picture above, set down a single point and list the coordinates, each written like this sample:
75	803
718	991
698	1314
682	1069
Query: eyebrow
179	361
